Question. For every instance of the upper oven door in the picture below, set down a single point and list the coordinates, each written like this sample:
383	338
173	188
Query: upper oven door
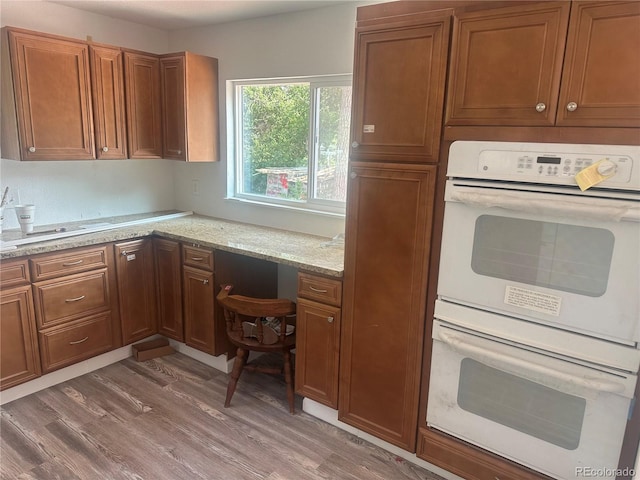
566	261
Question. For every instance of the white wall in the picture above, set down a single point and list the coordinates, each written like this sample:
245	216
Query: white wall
74	190
313	42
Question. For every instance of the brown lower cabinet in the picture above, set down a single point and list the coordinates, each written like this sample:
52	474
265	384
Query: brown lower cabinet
74	293
198	302
318	325
169	288
19	356
135	270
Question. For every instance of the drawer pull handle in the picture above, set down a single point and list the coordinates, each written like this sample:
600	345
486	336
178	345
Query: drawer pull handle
77	299
197	259
79	341
317	290
71	264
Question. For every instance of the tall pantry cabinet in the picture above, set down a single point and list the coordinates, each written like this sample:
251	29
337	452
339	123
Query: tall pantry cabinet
399	78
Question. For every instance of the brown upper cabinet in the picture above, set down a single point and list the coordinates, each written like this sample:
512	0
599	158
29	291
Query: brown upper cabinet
509	66
46	98
189	86
144	115
600	85
398	85
108	102
65	99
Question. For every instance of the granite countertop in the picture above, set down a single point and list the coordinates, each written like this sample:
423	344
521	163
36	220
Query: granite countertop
308	252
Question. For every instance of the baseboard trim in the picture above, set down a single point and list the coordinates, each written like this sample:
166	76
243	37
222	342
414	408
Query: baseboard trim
95	363
330	416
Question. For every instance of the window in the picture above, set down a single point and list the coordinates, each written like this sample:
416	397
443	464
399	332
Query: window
292	141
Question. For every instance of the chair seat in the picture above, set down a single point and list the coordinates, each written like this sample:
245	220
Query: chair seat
253	344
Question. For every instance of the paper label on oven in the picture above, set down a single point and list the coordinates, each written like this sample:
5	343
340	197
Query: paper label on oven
532	300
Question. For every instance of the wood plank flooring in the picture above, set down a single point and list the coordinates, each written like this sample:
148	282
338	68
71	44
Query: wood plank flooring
164	419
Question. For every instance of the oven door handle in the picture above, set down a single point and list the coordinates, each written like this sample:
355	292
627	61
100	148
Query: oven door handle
545	203
498	359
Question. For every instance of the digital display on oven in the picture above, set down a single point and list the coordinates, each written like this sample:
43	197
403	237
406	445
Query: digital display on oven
551	160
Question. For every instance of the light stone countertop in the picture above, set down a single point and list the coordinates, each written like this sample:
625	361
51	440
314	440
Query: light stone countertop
307	252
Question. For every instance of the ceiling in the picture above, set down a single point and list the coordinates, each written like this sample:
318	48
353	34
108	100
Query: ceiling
178	14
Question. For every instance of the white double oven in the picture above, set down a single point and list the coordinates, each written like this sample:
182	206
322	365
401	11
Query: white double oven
537	323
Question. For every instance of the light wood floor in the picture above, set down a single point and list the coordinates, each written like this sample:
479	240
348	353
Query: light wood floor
164	419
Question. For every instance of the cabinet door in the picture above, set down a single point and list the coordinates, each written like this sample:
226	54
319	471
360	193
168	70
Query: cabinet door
398	82
52	97
108	102
19	356
190	107
602	66
173	107
506	65
169	284
317	351
199	295
144	119
136	289
388	233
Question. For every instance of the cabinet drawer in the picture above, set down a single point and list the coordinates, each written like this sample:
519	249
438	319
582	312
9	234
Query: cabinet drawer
65	263
14	273
70	297
197	257
71	343
324	290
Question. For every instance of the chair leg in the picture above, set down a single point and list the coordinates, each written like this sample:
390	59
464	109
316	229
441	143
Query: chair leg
238	365
289	379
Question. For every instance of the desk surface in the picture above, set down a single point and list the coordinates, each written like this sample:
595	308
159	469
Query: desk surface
306	252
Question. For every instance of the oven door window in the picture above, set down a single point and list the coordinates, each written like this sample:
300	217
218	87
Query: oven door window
542	412
562	257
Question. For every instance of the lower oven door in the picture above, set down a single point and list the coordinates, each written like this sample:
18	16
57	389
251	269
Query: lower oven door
553	415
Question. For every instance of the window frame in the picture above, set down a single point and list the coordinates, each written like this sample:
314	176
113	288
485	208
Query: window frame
235	164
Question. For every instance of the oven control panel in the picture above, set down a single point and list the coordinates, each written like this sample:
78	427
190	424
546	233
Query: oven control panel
536	164
549	166
546	163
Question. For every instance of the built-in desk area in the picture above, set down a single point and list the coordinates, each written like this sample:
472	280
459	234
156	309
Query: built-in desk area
308	252
87	284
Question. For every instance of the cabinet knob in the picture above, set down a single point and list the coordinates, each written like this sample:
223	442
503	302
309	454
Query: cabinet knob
330	319
32	149
124	253
105	149
355	144
179	152
205	282
541	107
571	106
353	174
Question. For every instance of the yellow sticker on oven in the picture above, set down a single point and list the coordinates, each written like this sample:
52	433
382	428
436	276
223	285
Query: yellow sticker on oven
596	173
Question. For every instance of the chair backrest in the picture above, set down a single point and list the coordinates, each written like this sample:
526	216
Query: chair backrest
241	311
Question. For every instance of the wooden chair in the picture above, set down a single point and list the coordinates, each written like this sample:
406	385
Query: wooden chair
248	331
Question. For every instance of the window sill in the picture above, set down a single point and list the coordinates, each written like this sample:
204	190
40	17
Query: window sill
290	208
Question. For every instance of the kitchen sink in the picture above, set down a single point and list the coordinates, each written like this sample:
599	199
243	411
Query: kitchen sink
14	238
